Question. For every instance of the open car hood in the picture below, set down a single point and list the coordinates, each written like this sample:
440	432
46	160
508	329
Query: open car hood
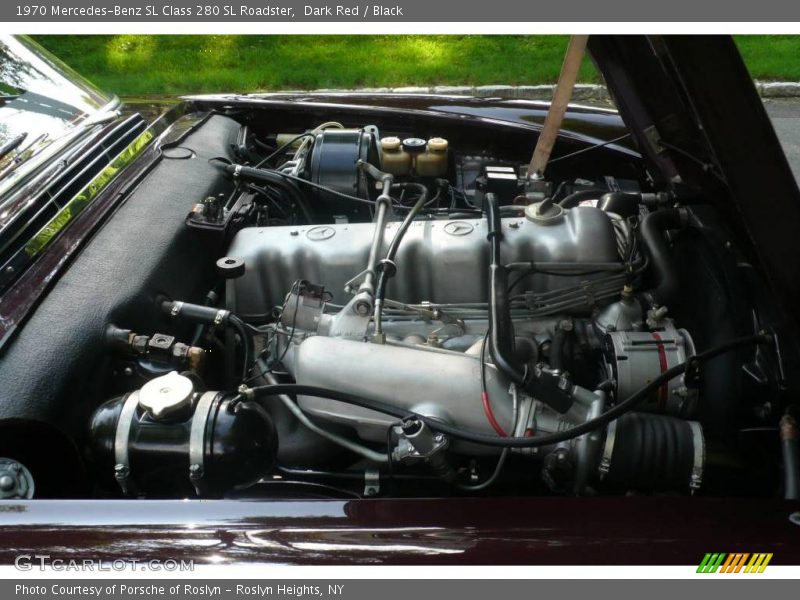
698	120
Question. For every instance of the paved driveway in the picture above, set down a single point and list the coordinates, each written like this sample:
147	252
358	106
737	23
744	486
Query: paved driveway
785	115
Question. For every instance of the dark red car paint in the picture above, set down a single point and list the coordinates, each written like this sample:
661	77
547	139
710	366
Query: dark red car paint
547	531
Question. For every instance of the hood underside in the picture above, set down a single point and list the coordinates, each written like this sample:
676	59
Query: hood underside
698	120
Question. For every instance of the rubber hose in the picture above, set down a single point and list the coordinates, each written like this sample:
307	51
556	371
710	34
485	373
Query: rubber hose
274	179
575	198
501	329
654	226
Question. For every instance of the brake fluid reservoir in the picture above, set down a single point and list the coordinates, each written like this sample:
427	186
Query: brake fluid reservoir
394	159
433	162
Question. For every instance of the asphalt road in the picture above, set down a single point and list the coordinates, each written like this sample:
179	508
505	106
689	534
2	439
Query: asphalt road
785	115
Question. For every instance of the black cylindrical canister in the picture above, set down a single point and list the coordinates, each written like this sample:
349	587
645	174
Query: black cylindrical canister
217	444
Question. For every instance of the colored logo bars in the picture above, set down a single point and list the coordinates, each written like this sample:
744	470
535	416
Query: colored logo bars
734	563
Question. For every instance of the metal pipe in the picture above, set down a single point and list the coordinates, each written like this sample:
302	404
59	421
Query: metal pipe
367	453
382	208
390	256
366	291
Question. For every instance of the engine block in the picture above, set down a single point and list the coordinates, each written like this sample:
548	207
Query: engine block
439	261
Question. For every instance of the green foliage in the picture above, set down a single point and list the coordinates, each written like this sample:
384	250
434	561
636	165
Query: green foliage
133	65
136	65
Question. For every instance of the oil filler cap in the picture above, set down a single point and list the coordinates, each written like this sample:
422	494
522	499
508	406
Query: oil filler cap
544	213
166	396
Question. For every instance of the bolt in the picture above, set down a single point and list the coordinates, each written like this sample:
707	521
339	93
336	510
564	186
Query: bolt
7	483
563	382
128	371
362	308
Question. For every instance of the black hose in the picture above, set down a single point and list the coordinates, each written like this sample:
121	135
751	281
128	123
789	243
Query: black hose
620	203
401	231
247	343
576	198
212	316
388	268
654	225
501	337
557	348
276	179
513	442
200	330
501	329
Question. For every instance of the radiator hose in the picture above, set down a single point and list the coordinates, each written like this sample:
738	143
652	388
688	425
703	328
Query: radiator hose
654	226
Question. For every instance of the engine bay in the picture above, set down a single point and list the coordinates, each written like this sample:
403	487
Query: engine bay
397	308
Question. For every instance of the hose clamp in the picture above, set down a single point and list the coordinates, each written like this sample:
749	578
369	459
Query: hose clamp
122	466
608	449
197	442
699	444
246	391
177	306
220	317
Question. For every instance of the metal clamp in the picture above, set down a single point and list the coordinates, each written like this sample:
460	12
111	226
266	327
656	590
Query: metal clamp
608	449
699	456
197	442
220	317
176	308
372	481
122	467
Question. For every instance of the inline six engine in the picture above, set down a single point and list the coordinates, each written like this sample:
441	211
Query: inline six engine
396	310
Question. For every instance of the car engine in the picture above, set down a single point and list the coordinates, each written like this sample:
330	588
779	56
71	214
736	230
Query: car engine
403	313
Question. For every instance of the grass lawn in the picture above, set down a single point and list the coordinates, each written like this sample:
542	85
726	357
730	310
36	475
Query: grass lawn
134	65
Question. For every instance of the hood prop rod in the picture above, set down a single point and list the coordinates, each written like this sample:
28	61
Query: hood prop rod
558	107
